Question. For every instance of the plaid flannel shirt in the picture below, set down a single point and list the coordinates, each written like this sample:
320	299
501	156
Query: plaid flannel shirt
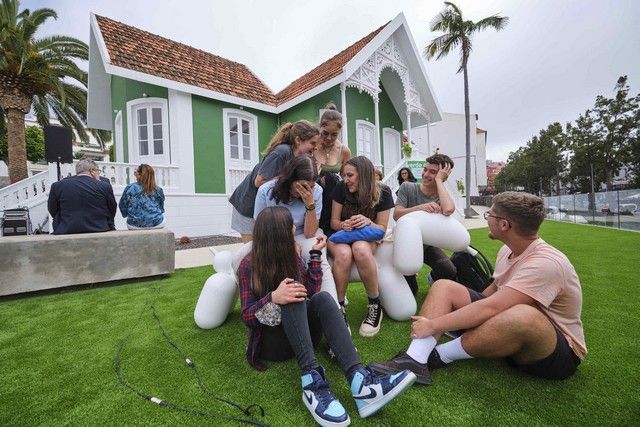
311	278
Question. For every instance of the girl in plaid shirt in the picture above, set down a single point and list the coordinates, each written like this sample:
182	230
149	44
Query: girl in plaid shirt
287	314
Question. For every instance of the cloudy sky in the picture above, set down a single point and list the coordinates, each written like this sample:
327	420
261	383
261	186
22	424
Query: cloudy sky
549	64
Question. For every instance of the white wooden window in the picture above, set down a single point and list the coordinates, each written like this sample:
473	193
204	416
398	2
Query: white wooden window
148	131
240	145
366	140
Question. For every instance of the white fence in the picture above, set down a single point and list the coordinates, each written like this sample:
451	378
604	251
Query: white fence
23	193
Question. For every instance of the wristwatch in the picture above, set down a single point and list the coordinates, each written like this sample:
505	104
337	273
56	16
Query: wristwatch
311	207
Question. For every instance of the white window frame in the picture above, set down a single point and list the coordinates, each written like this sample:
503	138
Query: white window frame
388	167
235	167
132	124
117	137
373	155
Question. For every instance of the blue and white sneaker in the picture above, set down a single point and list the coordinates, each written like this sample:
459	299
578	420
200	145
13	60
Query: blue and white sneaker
318	398
372	392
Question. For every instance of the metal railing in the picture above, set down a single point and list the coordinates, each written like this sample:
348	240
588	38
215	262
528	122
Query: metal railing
617	209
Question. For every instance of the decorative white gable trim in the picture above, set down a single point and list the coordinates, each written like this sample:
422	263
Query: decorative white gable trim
367	77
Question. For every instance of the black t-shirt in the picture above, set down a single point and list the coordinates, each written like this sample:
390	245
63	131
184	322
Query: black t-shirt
350	205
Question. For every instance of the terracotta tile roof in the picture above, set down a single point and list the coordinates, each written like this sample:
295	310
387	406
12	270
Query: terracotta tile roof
325	71
138	50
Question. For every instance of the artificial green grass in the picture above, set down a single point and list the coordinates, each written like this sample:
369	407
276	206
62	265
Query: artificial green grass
57	356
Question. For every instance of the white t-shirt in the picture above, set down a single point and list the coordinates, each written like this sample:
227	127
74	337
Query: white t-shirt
546	275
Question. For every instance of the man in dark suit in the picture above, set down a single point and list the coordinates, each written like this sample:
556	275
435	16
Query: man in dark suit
82	203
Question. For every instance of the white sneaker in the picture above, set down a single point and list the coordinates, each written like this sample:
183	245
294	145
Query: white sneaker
371	324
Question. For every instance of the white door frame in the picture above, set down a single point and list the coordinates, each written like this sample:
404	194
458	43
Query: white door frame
391	140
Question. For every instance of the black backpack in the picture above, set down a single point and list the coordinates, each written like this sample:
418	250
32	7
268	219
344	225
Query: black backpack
475	272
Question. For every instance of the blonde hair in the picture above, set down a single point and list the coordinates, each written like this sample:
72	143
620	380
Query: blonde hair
524	210
288	132
331	114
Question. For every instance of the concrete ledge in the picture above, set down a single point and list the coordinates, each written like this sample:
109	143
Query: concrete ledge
31	263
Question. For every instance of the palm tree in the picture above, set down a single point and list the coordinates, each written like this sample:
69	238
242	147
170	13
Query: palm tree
458	33
37	73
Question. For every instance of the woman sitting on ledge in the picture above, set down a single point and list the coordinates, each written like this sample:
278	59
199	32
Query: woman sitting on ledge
142	202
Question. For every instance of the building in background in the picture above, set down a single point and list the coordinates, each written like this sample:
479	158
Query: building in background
493	169
448	136
202	120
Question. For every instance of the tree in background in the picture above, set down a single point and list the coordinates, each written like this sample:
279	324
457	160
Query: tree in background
34	141
36	73
604	138
538	165
458	33
598	144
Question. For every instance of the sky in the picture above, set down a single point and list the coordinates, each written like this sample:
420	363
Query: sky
547	65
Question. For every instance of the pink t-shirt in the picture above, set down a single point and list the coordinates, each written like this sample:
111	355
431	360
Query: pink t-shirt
546	275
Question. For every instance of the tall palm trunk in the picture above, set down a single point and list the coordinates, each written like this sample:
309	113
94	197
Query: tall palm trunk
468	212
17	149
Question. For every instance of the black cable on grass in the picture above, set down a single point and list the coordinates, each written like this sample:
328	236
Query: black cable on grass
160	402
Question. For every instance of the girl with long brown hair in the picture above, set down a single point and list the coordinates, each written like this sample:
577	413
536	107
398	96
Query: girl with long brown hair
142	202
358	201
287	314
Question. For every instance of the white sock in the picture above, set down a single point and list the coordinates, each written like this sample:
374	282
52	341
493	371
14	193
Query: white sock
452	350
420	348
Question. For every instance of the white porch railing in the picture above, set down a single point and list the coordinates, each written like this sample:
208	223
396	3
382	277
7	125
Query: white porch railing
23	192
236	176
121	175
391	179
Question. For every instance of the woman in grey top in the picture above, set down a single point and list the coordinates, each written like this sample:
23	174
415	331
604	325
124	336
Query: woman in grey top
291	140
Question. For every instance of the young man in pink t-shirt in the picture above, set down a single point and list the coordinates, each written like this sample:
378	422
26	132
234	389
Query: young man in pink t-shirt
530	314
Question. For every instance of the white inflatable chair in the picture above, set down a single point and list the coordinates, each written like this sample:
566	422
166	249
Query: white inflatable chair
400	254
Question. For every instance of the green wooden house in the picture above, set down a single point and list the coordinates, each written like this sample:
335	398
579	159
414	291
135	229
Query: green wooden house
202	120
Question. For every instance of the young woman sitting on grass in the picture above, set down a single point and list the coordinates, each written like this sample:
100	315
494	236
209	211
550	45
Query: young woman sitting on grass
287	314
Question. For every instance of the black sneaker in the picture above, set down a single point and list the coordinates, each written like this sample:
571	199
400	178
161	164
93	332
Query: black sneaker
434	362
371	324
401	362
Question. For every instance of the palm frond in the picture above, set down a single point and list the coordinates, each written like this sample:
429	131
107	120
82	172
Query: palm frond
41	109
441	46
67	117
496	22
455	8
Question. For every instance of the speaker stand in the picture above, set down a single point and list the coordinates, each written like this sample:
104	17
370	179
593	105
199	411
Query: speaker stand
59	172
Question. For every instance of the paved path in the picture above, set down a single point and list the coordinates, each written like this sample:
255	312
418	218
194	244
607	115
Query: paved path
188	258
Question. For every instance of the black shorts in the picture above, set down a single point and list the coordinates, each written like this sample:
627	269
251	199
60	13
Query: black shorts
560	364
